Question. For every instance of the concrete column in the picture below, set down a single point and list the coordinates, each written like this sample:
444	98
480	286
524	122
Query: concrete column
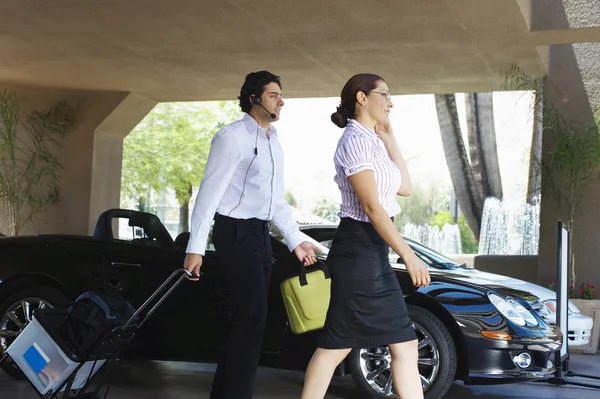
565	89
108	153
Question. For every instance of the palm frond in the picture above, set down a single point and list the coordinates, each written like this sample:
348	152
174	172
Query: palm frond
29	170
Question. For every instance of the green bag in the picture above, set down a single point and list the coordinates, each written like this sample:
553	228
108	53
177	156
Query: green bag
306	298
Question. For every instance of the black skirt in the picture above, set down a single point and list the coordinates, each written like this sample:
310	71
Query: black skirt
367	307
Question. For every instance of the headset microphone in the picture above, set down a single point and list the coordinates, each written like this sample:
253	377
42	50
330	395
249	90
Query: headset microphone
255	100
269	112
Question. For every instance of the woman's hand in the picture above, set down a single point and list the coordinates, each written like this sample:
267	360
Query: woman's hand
385	132
419	273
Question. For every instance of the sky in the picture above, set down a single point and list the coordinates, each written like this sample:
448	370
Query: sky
309	139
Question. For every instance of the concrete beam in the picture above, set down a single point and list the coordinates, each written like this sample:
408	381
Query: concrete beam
565	36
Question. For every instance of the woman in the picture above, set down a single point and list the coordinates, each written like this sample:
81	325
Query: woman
367	308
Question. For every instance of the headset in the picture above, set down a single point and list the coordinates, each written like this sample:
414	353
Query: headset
255	100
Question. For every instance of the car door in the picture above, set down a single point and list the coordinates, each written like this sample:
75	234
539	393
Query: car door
77	262
185	325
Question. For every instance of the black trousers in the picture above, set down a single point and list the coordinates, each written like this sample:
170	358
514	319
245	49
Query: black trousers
243	247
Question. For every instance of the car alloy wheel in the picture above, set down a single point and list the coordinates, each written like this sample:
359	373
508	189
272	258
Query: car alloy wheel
376	363
16	318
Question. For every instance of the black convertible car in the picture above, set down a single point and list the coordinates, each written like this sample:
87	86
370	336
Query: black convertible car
469	329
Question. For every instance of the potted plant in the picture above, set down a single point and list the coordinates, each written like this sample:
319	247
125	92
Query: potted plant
29	170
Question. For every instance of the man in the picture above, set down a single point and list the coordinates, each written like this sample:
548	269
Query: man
243	184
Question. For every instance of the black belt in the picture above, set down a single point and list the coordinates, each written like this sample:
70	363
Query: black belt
246	222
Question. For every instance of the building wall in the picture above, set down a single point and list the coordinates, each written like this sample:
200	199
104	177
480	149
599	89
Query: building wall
90	153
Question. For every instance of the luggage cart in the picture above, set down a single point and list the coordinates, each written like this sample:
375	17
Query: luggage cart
54	368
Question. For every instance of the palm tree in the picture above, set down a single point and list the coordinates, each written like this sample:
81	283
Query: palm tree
534	180
468	194
513	78
482	144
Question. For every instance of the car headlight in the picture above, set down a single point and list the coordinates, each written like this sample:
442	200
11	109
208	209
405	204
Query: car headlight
526	314
551	306
508	310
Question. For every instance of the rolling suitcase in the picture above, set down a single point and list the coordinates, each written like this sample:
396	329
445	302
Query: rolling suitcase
62	351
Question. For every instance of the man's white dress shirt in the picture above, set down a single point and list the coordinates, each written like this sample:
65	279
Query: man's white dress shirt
241	184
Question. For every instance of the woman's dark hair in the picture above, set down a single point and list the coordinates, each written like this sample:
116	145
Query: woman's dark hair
255	85
364	82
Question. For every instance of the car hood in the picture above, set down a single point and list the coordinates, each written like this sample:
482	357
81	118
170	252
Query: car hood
480	279
542	293
488	282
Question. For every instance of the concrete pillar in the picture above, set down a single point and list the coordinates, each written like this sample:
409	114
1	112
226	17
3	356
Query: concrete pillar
108	153
565	89
90	155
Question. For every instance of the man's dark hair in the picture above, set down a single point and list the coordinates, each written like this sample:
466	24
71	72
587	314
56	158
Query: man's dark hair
255	85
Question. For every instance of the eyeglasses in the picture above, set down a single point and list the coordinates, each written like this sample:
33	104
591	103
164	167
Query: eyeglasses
387	95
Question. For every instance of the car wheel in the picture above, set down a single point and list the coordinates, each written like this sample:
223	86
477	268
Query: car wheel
15	314
371	367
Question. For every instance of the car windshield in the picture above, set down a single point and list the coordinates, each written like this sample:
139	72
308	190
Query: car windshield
431	257
325	237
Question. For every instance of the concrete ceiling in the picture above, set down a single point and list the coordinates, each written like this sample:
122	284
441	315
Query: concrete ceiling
201	50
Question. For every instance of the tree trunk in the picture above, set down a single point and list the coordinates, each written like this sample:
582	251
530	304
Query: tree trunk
184	213
572	256
467	194
573	203
473	134
534	182
482	144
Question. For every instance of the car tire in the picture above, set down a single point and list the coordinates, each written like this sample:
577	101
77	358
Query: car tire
35	297
437	359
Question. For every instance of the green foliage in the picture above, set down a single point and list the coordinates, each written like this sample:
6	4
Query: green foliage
441	218
514	79
290	199
467	238
327	209
420	206
169	148
573	162
29	171
431	207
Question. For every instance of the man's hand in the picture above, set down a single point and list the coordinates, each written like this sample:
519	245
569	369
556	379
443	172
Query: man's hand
193	263
306	253
417	271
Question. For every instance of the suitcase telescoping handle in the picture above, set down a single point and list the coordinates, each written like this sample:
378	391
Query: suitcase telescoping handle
184	273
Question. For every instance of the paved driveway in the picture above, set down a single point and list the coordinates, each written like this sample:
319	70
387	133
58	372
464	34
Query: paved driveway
172	380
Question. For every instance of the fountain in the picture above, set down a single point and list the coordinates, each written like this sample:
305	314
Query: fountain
509	229
445	240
